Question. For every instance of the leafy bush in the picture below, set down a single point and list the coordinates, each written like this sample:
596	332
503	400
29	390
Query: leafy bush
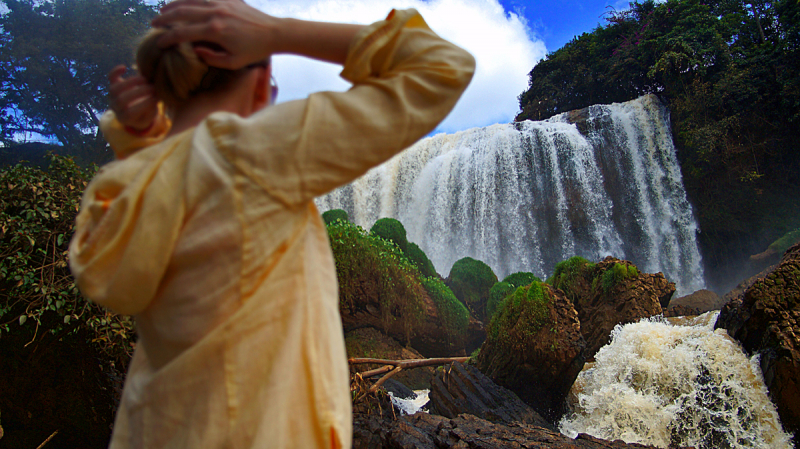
420	259
520	315
455	317
567	272
391	229
369	266
333	215
37	291
617	273
471	281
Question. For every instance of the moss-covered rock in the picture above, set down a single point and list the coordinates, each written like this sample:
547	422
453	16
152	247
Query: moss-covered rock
369	342
534	347
392	230
572	275
497	294
334	214
521	279
471	280
454	315
420	259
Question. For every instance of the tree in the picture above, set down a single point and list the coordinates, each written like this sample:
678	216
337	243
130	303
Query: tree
55	57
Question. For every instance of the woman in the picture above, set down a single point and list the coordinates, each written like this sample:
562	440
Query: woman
204	228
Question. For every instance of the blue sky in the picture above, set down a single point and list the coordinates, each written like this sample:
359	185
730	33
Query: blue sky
507	38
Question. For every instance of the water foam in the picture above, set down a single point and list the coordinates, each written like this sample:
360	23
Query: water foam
688	385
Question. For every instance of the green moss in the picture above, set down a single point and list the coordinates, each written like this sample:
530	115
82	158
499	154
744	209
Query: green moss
617	273
420	259
392	230
455	316
497	294
782	244
333	215
521	314
521	279
471	281
567	272
368	265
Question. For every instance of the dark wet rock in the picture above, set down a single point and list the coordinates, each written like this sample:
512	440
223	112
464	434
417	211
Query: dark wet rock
766	320
701	300
738	291
534	348
398	390
459	388
426	431
602	306
680	310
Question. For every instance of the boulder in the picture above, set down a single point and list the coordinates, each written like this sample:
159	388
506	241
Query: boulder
462	388
614	292
766	320
426	431
701	300
534	347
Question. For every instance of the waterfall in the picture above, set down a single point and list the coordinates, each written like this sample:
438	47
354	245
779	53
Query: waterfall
671	385
524	196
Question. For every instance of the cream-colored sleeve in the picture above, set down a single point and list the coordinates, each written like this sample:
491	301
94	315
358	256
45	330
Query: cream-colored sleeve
406	80
125	143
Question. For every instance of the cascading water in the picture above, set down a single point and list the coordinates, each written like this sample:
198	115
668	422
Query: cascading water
683	385
525	196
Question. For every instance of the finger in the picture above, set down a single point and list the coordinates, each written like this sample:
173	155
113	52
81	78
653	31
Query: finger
116	73
181	3
221	59
183	14
144	111
188	33
120	86
136	93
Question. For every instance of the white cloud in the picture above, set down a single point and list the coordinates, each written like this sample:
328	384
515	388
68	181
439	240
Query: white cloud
500	40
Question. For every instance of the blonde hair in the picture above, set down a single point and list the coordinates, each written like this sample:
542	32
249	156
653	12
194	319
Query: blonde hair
176	72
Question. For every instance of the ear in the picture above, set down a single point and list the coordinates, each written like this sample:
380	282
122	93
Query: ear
261	92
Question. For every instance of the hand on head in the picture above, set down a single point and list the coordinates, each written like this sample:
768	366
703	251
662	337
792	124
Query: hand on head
132	99
239	34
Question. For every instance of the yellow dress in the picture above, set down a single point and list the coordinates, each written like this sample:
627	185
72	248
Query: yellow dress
211	240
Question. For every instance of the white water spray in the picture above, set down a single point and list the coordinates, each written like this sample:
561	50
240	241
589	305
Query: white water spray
686	385
525	196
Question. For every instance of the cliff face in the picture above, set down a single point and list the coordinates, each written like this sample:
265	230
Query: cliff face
766	320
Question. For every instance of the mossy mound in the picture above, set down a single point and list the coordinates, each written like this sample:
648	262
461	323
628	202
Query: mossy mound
782	244
497	294
420	259
334	214
616	274
520	315
471	280
455	316
521	279
570	275
392	230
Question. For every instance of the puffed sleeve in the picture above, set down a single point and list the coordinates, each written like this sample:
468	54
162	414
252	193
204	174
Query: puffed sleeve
123	142
406	79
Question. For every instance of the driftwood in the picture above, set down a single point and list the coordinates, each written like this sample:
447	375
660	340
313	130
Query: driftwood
392	367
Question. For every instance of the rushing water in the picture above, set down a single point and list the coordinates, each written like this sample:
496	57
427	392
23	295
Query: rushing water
683	384
524	196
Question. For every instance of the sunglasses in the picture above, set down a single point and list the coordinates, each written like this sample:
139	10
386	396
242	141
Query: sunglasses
273	84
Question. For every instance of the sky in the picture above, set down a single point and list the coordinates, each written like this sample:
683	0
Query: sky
507	38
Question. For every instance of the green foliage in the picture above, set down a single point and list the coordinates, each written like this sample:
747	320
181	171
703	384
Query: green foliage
455	317
333	215
616	274
55	57
420	259
782	244
393	230
567	273
37	291
730	74
521	279
497	294
369	266
520	315
471	281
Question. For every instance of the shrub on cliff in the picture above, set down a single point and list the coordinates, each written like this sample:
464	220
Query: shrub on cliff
37	291
369	266
393	230
455	317
333	215
420	259
471	281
